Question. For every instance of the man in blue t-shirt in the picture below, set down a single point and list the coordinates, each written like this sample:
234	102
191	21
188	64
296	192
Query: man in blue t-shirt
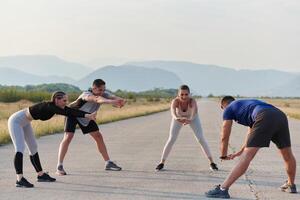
266	123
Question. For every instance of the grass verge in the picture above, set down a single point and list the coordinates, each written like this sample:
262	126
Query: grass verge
106	114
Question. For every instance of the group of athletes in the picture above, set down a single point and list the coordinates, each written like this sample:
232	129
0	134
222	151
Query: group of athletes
266	123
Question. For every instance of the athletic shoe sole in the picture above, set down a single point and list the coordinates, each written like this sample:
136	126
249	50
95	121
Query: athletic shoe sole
112	169
213	170
22	186
60	173
288	191
45	181
218	197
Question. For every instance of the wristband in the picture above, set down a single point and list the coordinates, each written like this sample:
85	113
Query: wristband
223	157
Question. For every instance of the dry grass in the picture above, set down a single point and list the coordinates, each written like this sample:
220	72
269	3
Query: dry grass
107	114
290	106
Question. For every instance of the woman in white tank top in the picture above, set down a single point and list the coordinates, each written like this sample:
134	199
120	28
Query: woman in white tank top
184	111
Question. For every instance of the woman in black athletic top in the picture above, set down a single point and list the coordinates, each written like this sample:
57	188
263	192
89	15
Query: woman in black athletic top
20	129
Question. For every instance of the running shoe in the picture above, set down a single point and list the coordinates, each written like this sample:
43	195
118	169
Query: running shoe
218	193
112	166
214	167
60	171
159	167
286	187
24	183
45	178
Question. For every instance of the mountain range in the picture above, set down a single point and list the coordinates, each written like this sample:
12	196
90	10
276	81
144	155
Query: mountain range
45	65
132	78
218	80
139	76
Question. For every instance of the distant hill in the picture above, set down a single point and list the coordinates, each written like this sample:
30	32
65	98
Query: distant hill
45	65
132	78
290	89
52	87
206	79
141	76
9	76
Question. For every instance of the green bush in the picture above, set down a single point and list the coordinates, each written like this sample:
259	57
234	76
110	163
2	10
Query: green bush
150	99
13	95
43	92
36	93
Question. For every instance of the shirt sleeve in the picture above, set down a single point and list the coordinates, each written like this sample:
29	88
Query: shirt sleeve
67	111
228	114
84	95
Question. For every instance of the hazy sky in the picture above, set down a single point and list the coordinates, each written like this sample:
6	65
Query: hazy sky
251	34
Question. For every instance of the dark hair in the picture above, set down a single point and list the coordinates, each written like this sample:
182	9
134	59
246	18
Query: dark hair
57	95
98	82
184	87
227	99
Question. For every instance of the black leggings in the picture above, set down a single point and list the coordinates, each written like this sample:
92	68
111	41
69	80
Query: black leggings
35	160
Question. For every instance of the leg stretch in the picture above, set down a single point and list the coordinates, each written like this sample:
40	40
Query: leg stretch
197	128
173	134
290	164
241	166
97	136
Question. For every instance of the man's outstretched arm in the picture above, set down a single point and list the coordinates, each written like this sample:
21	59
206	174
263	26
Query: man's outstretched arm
225	134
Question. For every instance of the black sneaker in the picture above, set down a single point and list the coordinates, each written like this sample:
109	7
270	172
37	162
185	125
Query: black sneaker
45	178
112	166
213	167
24	183
288	188
160	166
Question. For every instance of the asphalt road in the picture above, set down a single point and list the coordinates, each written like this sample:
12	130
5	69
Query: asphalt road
136	145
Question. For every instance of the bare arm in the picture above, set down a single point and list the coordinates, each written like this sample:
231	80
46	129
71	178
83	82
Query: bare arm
113	97
173	109
225	134
67	111
103	100
99	99
194	110
121	101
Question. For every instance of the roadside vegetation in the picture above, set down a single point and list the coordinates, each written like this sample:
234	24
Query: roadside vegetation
291	106
13	99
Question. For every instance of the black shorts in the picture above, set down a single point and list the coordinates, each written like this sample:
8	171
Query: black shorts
270	125
71	122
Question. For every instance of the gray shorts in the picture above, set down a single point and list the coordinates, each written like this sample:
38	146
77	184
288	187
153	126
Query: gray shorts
270	124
